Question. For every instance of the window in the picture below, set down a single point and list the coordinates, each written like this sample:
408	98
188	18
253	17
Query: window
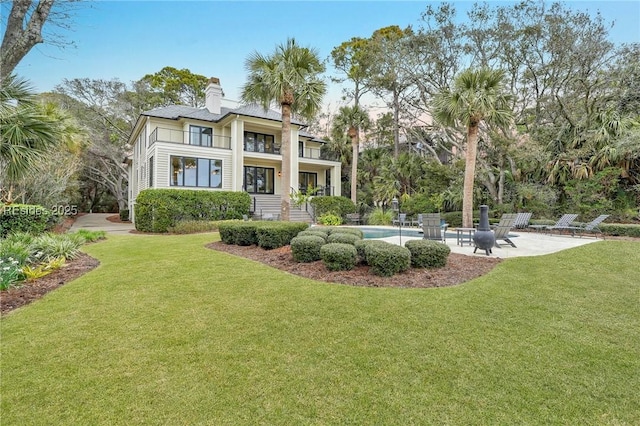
151	172
258	142
259	180
306	180
300	149
198	172
201	136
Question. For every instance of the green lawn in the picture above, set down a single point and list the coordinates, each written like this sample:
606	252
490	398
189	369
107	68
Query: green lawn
168	332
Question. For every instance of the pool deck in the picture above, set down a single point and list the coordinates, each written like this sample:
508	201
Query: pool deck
529	243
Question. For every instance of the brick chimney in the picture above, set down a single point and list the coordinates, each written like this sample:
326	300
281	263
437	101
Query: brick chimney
213	95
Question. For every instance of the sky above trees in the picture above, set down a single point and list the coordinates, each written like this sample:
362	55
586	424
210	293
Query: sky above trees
127	40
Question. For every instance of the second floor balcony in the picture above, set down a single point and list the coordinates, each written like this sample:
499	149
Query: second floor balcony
196	138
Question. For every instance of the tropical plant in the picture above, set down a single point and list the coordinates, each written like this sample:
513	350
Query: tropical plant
476	96
28	131
290	78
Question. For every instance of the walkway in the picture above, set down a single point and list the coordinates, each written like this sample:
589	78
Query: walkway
99	222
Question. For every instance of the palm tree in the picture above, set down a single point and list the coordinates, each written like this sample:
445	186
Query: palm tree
477	96
353	119
290	78
28	129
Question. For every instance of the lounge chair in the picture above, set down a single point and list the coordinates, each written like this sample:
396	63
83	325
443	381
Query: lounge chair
563	224
522	220
502	229
592	226
432	228
418	221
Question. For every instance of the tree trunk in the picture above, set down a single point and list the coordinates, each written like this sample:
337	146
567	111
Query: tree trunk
285	150
21	36
469	175
353	133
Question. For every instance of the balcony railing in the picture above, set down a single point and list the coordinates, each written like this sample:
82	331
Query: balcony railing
313	153
160	134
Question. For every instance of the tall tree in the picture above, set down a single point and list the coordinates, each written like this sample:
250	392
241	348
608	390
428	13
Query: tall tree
388	76
353	119
24	26
290	77
177	86
476	96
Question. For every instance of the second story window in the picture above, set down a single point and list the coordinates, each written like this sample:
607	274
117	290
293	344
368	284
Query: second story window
201	136
258	142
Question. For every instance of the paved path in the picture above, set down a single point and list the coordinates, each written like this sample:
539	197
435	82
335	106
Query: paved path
99	222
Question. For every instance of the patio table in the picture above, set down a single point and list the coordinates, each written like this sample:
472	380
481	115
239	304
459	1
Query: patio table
464	235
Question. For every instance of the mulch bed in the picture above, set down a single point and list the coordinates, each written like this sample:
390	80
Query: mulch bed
16	297
459	269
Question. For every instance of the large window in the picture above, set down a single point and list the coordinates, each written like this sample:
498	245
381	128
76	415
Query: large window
201	136
306	180
203	172
258	180
258	142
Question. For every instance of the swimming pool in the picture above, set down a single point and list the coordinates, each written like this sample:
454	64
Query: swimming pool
393	232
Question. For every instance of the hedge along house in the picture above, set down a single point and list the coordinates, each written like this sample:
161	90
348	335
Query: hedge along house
228	147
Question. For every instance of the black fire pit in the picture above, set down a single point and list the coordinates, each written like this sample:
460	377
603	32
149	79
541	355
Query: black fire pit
484	238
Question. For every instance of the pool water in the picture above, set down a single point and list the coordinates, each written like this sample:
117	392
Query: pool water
386	232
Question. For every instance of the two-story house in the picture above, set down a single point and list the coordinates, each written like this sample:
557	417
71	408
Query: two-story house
226	146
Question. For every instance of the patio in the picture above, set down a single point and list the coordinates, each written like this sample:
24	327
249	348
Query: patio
528	243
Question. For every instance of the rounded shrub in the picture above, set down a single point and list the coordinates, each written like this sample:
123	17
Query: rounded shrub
339	237
306	248
276	234
238	232
387	259
428	254
338	256
311	232
353	231
361	246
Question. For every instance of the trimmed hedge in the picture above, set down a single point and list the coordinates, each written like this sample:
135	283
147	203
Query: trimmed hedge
428	254
387	260
339	237
361	246
620	230
273	235
311	232
338	256
353	231
30	218
263	233
157	210
306	248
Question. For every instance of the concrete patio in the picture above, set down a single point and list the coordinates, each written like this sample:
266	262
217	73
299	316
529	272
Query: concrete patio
528	243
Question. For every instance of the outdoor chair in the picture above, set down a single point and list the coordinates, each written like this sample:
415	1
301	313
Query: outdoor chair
563	224
418	221
522	220
592	226
432	228
502	229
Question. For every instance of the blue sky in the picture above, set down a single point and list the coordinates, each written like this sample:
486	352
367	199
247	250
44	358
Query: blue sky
126	40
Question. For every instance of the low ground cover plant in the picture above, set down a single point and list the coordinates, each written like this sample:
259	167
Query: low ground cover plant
24	256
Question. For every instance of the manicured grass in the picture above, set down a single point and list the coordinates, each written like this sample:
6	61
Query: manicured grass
168	332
